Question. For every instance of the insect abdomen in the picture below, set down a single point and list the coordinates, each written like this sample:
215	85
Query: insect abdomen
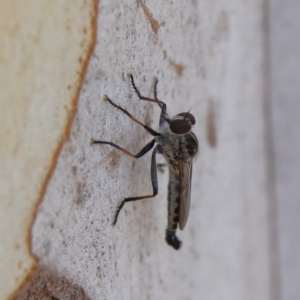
173	199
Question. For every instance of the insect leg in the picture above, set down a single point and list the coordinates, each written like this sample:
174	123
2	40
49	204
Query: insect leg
154	186
146	149
142	97
163	115
150	130
155	89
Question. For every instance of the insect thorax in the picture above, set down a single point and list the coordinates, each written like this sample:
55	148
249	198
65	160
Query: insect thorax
184	146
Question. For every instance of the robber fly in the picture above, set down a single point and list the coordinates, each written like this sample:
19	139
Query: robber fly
179	146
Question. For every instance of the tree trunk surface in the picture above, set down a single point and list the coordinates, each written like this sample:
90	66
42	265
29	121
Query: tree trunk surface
235	64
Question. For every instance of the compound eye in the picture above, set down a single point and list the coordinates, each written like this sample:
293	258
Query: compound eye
188	116
180	125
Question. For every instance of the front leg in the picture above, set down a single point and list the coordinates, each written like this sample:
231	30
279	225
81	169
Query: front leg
150	130
164	117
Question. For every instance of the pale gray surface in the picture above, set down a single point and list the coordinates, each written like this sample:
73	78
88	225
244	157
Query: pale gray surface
285	50
226	251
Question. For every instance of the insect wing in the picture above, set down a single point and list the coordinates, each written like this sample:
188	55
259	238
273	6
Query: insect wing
185	178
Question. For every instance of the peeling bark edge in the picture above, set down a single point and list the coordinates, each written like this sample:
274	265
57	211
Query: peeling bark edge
56	153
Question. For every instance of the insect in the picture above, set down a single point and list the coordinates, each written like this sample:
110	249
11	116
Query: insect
178	144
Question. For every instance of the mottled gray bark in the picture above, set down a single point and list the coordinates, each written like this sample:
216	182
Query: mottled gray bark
220	58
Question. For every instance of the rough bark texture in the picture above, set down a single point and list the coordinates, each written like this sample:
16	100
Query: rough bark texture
45	48
213	56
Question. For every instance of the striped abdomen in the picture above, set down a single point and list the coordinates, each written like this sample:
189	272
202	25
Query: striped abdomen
173	198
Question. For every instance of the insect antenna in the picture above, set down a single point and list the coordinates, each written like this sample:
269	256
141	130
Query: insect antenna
187	112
